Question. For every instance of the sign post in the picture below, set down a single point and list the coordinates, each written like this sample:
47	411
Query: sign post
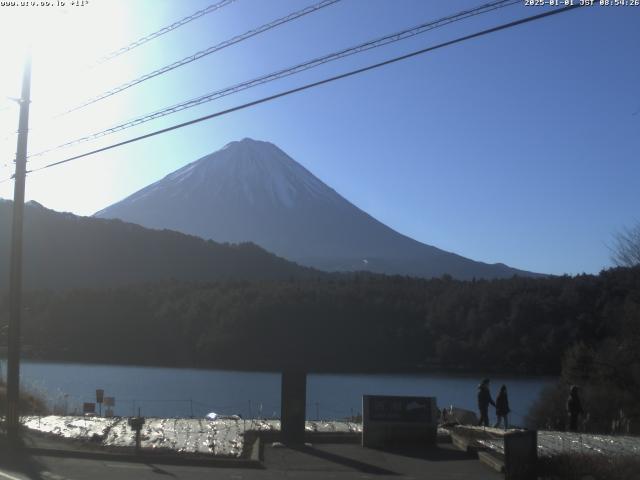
136	424
99	399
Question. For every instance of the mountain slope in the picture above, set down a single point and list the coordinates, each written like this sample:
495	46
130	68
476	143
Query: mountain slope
62	250
253	191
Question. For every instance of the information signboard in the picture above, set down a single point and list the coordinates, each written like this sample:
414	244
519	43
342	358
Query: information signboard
391	420
399	409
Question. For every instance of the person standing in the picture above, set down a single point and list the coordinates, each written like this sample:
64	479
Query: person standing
444	415
574	408
484	400
502	408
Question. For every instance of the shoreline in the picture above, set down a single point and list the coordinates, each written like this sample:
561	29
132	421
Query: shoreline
436	372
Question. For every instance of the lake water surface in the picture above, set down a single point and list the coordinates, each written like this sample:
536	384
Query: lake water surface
173	392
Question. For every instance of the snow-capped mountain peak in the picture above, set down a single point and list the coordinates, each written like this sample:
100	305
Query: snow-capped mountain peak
259	170
251	190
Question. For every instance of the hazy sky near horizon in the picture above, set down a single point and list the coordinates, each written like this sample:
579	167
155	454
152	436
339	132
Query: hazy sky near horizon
519	147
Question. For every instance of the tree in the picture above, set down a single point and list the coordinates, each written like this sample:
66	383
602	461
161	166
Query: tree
626	249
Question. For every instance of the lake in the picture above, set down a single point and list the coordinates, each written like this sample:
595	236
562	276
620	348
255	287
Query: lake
174	392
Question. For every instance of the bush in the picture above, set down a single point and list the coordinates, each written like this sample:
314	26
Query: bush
549	412
30	403
609	388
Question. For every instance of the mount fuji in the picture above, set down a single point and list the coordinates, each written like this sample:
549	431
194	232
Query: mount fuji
252	191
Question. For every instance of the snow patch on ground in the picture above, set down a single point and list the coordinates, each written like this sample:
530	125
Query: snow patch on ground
220	437
551	443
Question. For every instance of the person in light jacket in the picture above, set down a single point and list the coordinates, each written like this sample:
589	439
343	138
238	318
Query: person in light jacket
502	408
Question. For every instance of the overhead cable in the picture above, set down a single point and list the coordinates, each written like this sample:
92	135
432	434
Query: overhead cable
203	53
315	84
394	37
162	31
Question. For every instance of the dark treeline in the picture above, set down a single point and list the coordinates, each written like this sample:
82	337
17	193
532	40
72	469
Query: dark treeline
63	251
358	322
606	372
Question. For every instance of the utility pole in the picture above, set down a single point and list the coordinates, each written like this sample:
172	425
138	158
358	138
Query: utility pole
15	275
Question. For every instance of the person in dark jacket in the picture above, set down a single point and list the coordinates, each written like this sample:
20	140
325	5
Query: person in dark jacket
574	408
484	400
502	408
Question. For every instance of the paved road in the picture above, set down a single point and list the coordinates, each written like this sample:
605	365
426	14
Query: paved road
319	462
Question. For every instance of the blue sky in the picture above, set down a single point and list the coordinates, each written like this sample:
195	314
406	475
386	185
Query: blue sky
518	147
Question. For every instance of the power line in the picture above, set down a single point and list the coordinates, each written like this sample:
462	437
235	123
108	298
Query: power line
371	44
503	26
203	53
8	165
145	39
162	31
6	179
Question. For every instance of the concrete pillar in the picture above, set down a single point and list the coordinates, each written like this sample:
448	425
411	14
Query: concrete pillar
293	400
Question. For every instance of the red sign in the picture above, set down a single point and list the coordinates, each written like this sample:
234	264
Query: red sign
99	395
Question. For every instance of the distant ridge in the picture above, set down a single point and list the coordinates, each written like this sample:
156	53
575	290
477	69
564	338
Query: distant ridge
62	250
252	191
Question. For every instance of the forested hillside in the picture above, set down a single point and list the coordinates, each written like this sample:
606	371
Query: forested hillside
340	323
62	250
